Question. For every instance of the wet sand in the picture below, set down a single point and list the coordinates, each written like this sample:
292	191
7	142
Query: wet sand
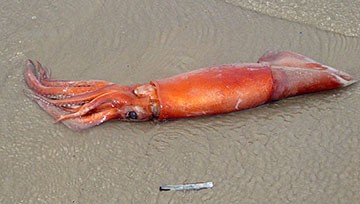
337	16
304	149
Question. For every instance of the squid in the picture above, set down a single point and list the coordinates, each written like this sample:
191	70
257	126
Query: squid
203	92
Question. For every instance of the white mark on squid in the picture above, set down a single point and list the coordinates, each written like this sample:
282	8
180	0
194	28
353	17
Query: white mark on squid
237	104
343	81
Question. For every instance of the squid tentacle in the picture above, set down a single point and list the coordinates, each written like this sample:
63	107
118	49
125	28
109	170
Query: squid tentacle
41	83
106	98
82	122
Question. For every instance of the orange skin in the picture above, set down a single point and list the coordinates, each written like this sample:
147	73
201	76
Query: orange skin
203	92
214	90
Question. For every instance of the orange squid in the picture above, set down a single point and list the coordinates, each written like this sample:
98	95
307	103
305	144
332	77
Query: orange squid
203	92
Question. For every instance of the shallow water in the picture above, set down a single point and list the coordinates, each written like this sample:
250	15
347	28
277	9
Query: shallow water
303	149
332	15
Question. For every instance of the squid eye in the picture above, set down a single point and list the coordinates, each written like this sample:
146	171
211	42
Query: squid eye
132	115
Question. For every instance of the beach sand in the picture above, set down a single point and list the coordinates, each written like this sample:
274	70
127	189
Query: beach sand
304	149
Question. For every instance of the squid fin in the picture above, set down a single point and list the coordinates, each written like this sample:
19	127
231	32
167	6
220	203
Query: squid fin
295	74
